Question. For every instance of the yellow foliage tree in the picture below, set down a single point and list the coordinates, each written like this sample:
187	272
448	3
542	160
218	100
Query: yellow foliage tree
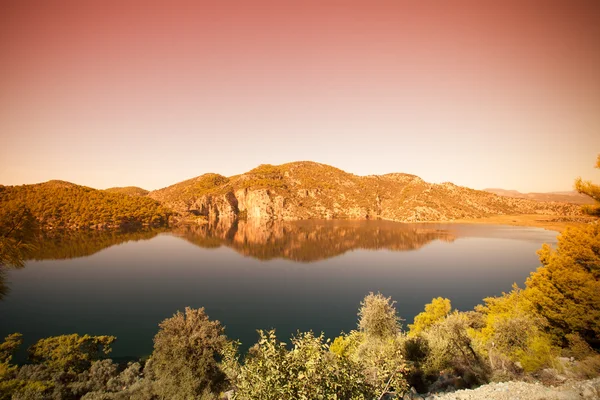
435	311
566	289
588	188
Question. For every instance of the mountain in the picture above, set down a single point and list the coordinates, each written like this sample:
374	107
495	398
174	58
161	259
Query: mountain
65	205
128	190
305	190
564	197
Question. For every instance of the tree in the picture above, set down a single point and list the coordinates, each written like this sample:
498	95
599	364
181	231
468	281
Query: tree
378	317
435	311
184	361
17	232
588	188
566	289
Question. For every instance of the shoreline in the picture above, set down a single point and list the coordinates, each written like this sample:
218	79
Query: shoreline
549	222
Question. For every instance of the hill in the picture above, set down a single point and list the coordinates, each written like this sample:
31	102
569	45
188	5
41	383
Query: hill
564	197
304	190
128	190
64	205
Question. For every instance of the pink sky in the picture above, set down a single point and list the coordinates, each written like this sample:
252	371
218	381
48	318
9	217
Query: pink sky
480	93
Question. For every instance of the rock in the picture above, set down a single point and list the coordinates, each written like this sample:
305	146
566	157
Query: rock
589	392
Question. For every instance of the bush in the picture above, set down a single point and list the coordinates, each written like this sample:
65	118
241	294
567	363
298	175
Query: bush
377	317
451	348
70	353
308	371
184	361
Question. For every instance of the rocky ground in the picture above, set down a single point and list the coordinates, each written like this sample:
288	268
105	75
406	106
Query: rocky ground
589	389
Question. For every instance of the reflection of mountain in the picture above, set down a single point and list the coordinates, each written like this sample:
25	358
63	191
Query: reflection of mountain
73	244
308	241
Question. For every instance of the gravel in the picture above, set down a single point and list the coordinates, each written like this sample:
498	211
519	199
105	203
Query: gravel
589	389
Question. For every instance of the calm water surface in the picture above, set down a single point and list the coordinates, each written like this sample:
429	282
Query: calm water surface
289	276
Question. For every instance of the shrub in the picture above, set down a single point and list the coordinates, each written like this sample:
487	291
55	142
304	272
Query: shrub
70	353
377	317
308	371
451	348
184	361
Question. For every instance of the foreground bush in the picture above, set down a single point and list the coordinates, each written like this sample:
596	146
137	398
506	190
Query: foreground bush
307	371
184	362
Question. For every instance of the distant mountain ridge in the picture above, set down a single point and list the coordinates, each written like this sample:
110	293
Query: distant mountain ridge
565	196
309	190
293	191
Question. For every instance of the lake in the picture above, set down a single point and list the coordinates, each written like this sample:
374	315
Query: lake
288	276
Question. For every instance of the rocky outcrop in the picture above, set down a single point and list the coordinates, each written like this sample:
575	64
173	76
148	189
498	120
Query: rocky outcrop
307	190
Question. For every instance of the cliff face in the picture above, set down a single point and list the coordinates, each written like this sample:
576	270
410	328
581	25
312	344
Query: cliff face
308	190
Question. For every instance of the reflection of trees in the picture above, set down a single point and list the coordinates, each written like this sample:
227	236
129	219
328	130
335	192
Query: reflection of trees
4	289
308	241
73	244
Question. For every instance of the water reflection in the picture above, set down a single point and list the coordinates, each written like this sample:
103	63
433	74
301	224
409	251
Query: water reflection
74	244
4	289
309	241
303	241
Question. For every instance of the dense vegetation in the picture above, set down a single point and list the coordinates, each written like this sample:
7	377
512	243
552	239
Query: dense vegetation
519	334
129	190
63	205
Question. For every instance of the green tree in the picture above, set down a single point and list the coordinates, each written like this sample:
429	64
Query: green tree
435	311
588	188
184	361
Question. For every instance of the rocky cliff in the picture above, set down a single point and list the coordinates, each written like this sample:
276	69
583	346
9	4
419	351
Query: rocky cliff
309	190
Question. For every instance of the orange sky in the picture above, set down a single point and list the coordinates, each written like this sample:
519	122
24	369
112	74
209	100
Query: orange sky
484	94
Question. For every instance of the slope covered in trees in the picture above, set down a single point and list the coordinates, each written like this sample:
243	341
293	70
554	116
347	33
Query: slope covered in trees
129	190
63	205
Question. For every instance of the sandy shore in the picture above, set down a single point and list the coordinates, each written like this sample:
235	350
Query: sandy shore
550	222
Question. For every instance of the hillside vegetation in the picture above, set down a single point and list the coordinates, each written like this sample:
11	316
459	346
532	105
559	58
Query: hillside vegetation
303	190
64	205
129	190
